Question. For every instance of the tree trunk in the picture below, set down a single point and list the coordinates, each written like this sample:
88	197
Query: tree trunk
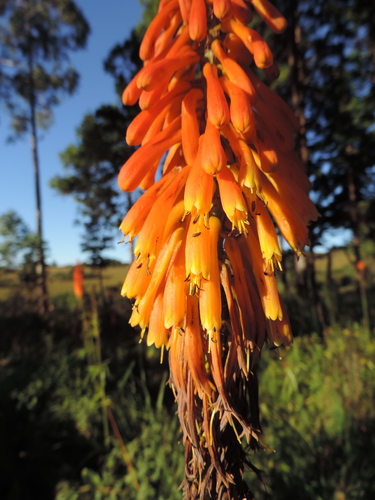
41	266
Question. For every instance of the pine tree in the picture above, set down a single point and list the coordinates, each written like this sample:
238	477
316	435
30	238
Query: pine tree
36	37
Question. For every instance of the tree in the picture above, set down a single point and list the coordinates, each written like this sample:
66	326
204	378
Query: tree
341	64
13	234
18	248
92	167
327	72
93	164
36	37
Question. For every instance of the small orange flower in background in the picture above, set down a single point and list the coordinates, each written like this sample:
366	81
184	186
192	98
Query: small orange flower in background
78	286
203	280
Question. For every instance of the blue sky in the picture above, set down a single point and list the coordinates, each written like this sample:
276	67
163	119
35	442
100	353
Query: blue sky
111	22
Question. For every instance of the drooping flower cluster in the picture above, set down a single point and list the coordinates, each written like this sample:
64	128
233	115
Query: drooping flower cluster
203	280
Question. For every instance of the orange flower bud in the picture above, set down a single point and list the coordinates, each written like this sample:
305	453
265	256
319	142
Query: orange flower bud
180	44
241	111
213	158
174	158
217	106
199	187
136	216
222	8
137	280
190	124
139	126
197	255
163	41
150	237
154	73
253	41
175	216
232	136
249	175
135	168
233	70
157	333
131	92
237	51
185	7
270	15
241	11
267	236
161	264
160	22
266	282
198	20
232	200
148	98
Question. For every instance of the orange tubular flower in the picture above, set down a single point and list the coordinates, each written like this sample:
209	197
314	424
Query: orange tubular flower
217	106
213	158
221	178
241	111
198	20
222	8
78	286
190	124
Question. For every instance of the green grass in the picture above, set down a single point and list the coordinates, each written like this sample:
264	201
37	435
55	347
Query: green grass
60	280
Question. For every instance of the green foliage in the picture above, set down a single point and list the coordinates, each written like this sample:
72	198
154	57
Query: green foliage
18	246
316	403
154	455
318	416
51	422
13	234
36	38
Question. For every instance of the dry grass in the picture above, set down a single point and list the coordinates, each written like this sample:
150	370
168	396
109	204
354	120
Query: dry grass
60	280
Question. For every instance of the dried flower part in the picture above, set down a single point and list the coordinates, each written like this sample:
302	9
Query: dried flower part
203	280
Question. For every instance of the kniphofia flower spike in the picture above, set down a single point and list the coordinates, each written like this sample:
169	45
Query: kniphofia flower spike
78	285
203	280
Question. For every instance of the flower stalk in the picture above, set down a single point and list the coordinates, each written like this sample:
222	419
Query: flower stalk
203	282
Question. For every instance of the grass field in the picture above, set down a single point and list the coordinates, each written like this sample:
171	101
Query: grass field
60	280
